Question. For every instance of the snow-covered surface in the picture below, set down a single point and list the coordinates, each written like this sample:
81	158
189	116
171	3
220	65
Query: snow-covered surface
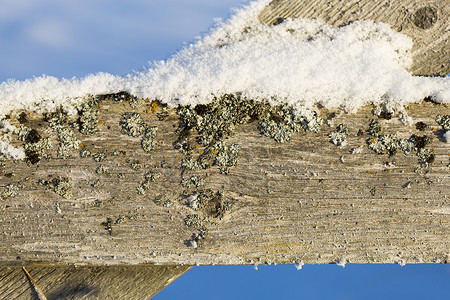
11	152
300	62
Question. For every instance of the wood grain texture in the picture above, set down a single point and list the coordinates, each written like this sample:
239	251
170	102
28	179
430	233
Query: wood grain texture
306	199
69	282
426	22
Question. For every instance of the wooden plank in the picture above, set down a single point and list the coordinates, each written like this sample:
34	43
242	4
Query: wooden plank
426	22
70	282
305	199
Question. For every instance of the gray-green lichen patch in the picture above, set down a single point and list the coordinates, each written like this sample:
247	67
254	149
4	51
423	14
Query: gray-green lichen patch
374	128
280	122
63	188
151	176
136	165
108	224
99	156
194	221
144	186
11	190
132	124
168	203
148	141
59	122
218	119
444	121
278	131
84	153
195	180
164	113
88	116
426	156
67	141
339	136
36	147
135	102
226	156
390	144
96	183
102	169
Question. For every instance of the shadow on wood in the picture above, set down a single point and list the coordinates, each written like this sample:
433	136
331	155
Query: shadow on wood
69	282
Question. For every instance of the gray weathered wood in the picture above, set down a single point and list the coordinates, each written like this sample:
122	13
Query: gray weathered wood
426	22
70	282
293	201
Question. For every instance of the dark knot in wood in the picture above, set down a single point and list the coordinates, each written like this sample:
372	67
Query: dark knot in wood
425	17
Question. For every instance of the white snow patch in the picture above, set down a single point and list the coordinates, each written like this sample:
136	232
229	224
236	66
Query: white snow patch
447	136
401	262
340	262
299	266
300	62
11	152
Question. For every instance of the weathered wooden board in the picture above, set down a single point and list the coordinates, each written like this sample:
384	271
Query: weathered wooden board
426	22
69	282
305	199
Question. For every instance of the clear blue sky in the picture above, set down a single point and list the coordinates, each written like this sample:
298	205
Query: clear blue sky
75	38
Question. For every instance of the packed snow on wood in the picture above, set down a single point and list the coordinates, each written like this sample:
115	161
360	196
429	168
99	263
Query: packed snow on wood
301	62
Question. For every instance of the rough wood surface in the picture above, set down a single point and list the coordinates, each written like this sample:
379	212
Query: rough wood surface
426	22
69	282
306	199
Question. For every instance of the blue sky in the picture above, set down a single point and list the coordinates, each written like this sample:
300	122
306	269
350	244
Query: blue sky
75	38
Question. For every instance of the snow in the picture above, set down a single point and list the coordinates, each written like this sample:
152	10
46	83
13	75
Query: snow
11	152
301	62
447	136
299	266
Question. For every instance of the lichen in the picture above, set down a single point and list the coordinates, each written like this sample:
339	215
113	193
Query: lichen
150	176
63	188
374	128
280	122
168	203
444	121
36	147
426	156
164	113
102	169
195	180
132	124
11	190
67	141
136	165
339	136
164	164
279	132
85	153
148	141
226	156
193	220
99	156
88	116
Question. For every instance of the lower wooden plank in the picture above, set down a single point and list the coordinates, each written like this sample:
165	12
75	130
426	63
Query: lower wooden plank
70	282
